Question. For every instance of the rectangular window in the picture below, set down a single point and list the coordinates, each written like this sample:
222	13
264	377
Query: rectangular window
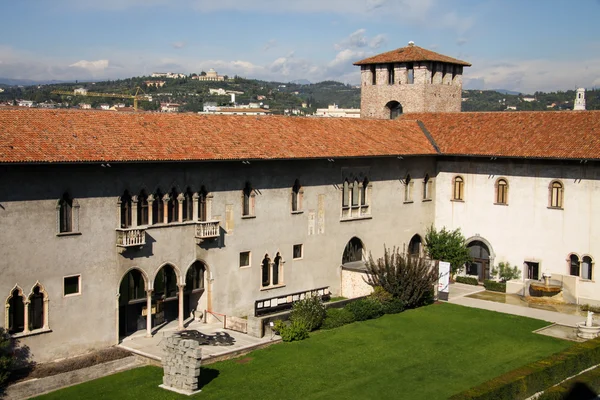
373	74
244	259
391	76
72	285
410	73
298	249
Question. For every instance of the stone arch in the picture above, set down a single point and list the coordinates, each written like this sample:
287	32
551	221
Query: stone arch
19	313
197	295
354	250
483	264
178	274
394	108
141	271
415	245
131	301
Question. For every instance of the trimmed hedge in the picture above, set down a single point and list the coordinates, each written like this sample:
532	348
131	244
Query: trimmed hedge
337	317
579	387
494	286
365	309
523	382
469	280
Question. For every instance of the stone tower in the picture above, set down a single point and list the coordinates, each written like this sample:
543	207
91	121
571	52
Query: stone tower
409	79
579	100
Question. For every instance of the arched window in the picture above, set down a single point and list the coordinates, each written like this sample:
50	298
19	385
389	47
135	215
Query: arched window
502	191
142	208
158	208
65	214
394	108
202	205
458	188
364	201
574	265
297	196
586	268
355	193
16	312
165	283
36	309
188	205
556	194
266	271
414	246
346	194
408	185
125	210
173	206
353	251
248	200
276	267
195	277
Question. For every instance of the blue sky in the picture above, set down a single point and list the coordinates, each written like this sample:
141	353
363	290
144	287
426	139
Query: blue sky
523	45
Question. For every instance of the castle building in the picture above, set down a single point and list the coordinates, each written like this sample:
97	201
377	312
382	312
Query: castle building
114	223
410	79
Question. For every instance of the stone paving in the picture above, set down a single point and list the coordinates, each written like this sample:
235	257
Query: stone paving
151	348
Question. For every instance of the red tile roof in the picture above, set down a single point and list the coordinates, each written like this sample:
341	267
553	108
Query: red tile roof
57	136
543	134
410	54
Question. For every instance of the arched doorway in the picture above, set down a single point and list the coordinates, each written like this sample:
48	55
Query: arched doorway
394	108
132	303
193	302
166	295
415	246
354	251
480	264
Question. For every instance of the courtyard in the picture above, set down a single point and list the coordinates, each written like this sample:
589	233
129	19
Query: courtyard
429	353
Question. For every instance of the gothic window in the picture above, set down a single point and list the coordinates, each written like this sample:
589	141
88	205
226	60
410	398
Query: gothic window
188	205
202	208
586	268
276	269
16	312
353	251
427	185
415	246
556	194
297	193
502	191
158	208
458	188
408	186
364	201
65	214
173	207
125	208
356	198
574	265
355	193
346	193
266	271
248	201
142	208
195	277
36	309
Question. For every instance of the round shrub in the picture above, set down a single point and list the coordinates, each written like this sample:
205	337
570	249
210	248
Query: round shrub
294	330
337	317
393	306
310	312
365	309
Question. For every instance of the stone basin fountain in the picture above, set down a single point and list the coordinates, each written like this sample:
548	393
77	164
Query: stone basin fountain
587	329
545	289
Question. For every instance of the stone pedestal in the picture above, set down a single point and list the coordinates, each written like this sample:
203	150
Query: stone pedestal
181	363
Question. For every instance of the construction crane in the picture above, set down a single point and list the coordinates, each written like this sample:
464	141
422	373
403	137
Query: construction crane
137	96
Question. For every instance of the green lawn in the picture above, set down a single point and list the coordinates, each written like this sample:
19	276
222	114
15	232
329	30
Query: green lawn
428	353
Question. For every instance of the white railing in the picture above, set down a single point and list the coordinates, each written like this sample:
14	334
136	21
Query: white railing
130	237
207	229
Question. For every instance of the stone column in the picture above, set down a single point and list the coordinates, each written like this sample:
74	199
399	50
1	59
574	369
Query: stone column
46	301
150	208
134	211
180	287
195	198
166	199
149	313
26	317
180	199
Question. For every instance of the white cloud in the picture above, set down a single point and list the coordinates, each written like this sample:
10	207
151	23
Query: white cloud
358	39
270	44
94	66
178	45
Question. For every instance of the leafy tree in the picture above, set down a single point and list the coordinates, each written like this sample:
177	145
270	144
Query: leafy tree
6	356
409	279
447	246
505	272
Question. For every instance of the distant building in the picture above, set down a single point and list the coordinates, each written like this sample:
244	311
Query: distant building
211	75
25	103
155	83
104	106
80	91
529	99
579	100
511	108
85	106
334	111
170	75
169	107
233	111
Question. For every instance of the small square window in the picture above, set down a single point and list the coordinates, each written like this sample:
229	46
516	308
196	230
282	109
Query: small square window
244	259
298	250
72	285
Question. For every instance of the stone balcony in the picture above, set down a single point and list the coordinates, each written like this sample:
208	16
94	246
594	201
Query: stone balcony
207	230
131	237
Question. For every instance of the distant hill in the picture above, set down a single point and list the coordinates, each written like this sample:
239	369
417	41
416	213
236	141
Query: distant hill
301	82
29	82
504	91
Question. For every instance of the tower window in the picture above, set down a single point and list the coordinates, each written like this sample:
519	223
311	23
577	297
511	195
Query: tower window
391	77
394	108
410	73
373	74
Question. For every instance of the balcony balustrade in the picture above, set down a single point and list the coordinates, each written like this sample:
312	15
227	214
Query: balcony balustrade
131	237
207	229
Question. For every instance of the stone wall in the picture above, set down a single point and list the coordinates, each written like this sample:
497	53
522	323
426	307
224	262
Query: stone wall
353	283
181	363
